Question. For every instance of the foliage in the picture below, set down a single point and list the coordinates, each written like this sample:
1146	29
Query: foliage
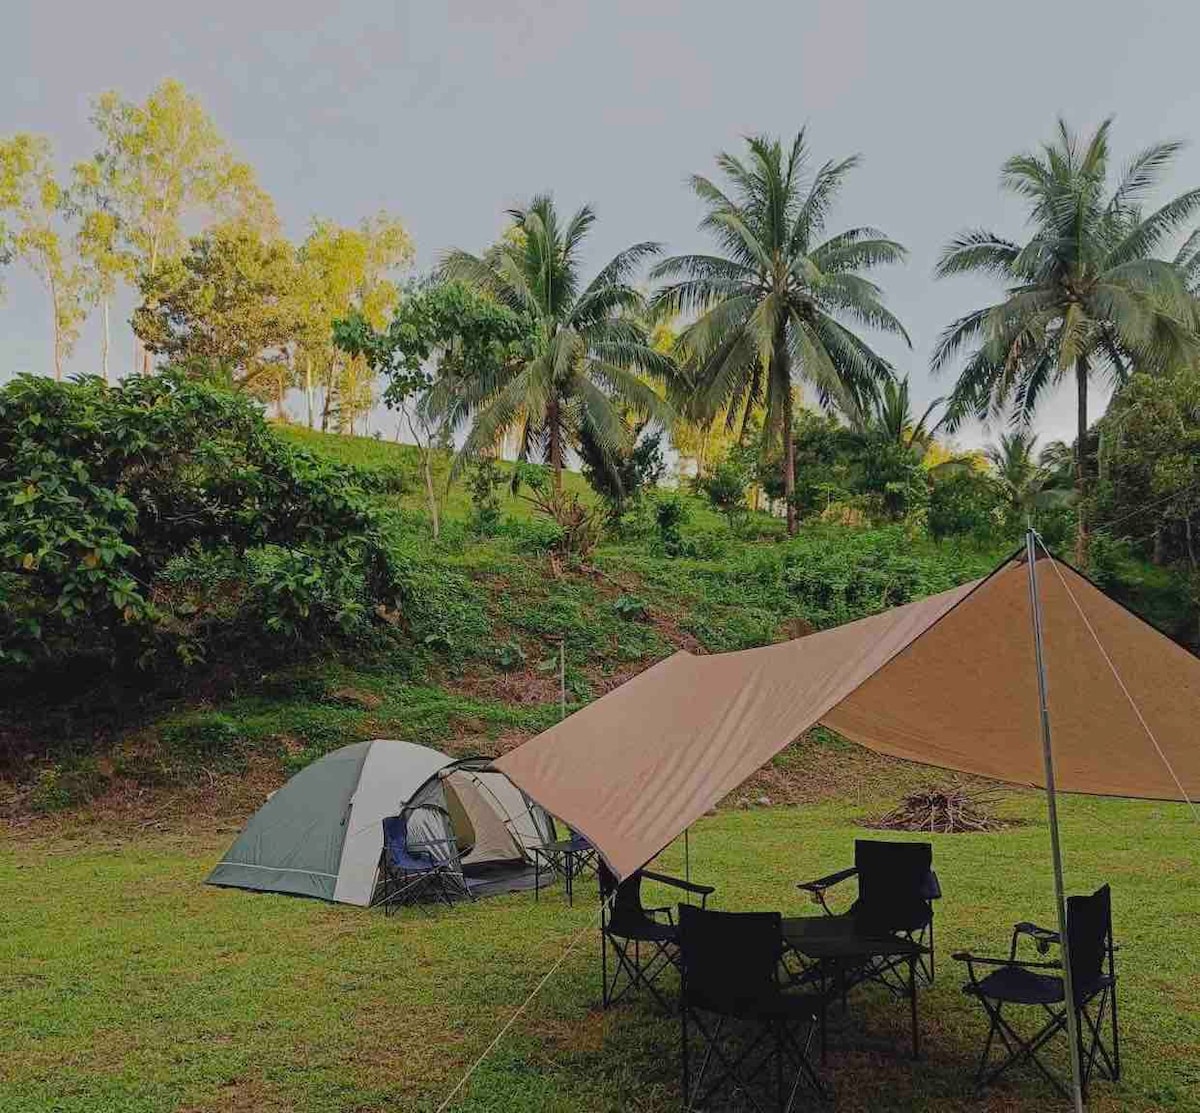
725	486
586	348
229	302
484	482
157	518
35	203
578	525
966	503
621	477
774	306
1149	486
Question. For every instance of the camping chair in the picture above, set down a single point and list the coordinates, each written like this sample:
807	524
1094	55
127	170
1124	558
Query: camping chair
1090	951
411	871
896	891
643	945
730	970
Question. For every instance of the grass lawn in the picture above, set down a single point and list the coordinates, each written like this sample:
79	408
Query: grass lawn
127	985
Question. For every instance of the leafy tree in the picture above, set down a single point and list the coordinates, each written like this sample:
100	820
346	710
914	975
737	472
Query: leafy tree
442	335
586	348
228	302
34	205
163	161
104	261
620	478
1148	491
964	501
1085	295
725	487
346	271
777	305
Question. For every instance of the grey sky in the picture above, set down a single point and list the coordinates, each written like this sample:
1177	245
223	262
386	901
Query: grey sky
445	114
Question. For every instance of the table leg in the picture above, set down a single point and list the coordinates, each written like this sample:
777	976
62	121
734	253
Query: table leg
569	863
537	875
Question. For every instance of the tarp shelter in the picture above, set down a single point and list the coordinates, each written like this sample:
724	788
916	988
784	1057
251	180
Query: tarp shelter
321	834
950	681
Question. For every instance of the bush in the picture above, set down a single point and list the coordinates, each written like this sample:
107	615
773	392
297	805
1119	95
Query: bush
725	487
670	513
144	524
966	503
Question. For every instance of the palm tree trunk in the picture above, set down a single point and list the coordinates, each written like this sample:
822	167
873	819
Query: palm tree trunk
1081	476
555	444
782	371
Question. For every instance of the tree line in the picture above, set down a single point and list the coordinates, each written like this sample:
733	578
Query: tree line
516	346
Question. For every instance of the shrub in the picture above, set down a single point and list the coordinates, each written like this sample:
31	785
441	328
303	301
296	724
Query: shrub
965	503
141	524
670	513
725	487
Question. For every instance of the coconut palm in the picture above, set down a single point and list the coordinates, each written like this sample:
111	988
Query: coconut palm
779	305
890	419
1085	295
587	349
1031	481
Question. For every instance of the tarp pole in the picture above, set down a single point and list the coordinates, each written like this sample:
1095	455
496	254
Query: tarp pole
1035	606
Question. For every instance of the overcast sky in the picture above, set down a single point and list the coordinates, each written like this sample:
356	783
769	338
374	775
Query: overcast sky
446	114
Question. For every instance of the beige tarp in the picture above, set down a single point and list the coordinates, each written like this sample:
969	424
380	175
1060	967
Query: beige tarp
948	681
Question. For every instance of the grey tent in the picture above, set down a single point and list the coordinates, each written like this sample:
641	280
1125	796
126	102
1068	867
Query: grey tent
321	834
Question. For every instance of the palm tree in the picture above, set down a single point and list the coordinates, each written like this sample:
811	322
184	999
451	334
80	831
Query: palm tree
586	345
1030	481
890	419
1085	296
778	304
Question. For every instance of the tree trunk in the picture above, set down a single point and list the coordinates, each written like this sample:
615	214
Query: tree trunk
104	340
54	321
308	389
781	368
555	445
1081	471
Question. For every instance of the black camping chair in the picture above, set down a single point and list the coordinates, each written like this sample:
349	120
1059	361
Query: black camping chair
644	941
1090	950
730	965
413	870
896	891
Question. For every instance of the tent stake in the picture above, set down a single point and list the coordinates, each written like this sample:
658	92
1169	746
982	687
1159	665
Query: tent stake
1035	606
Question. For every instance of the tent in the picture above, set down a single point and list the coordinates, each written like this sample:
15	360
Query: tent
1032	675
321	834
950	681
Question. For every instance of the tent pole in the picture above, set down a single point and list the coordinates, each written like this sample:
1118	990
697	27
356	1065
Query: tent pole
1035	606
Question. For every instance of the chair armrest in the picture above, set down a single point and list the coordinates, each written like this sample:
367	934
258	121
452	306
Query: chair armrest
983	960
1042	937
931	888
679	883
823	883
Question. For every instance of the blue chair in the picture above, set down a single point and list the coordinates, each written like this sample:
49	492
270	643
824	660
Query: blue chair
410	873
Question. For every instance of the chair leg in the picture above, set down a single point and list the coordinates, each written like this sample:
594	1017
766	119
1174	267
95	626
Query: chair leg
1116	1037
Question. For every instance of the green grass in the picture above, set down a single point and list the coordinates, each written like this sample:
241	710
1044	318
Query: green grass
372	454
125	984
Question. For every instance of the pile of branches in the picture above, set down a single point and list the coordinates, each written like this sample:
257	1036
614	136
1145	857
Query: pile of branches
945	809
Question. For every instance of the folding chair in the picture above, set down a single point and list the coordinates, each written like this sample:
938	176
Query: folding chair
1090	951
896	891
412	870
644	946
730	991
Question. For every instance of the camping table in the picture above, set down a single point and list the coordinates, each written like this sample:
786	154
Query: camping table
560	854
835	950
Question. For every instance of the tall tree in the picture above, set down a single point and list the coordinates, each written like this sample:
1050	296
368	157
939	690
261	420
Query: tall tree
1085	295
164	160
587	345
36	207
343	271
779	305
104	261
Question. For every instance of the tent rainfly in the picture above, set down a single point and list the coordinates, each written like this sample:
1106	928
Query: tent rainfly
321	834
951	681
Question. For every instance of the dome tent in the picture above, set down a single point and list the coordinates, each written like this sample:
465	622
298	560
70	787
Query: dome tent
321	834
